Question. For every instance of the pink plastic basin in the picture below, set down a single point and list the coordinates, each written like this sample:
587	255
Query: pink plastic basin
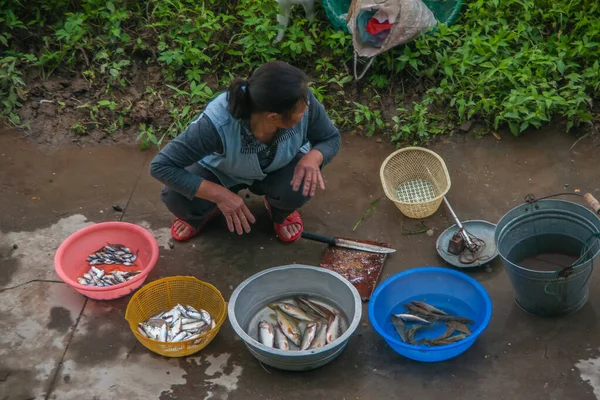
70	259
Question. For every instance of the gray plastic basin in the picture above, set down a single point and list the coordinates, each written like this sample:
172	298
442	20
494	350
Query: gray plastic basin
261	289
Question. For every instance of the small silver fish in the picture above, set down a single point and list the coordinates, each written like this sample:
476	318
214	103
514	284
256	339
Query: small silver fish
320	339
163	333
309	335
182	310
265	334
206	316
411	318
281	341
179	337
292	311
333	330
82	281
194	314
98	272
289	328
324	305
193	326
177	327
141	330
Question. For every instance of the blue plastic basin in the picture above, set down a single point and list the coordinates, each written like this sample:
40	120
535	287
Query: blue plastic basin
446	289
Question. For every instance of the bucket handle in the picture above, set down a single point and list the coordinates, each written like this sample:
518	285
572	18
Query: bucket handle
592	202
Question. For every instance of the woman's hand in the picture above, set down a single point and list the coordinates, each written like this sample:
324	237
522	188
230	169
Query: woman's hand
309	171
232	206
236	212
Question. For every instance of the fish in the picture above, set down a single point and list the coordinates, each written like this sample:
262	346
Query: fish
400	328
205	316
441	342
172	325
195	326
449	331
320	339
281	341
411	318
428	307
113	254
292	311
98	277
309	335
322	305
141	330
265	334
319	310
177	327
163	333
289	328
333	330
310	312
179	337
455	318
459	326
410	335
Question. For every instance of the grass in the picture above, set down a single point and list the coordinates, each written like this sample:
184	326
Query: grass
512	64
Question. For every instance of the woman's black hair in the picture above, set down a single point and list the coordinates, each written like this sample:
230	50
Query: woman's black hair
275	87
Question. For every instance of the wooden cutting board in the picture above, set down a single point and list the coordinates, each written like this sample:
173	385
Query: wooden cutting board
360	268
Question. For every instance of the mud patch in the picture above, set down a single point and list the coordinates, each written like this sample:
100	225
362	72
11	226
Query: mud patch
60	319
65	108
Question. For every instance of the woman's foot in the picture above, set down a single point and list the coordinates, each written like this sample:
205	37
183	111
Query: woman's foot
291	229
182	231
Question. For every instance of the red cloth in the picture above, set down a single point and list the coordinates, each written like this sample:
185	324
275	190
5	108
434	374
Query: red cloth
374	27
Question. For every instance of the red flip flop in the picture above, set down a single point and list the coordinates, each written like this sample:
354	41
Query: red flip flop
192	232
293	218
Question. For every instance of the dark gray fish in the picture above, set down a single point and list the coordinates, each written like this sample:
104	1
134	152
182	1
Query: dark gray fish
442	342
400	328
410	336
428	307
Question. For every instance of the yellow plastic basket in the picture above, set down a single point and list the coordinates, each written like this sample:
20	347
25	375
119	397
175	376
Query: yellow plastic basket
416	180
162	295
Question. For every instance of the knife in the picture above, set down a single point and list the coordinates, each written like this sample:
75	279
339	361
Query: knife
349	244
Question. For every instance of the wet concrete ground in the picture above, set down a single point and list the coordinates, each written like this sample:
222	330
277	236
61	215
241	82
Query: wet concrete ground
55	344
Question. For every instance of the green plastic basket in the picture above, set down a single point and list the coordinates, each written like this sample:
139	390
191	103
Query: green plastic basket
336	11
445	11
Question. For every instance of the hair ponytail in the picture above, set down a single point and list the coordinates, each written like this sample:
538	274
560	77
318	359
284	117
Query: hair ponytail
239	99
275	87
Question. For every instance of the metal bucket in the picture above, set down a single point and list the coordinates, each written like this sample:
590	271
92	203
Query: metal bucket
548	226
263	288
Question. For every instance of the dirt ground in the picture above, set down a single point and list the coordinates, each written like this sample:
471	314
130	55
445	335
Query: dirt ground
56	344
